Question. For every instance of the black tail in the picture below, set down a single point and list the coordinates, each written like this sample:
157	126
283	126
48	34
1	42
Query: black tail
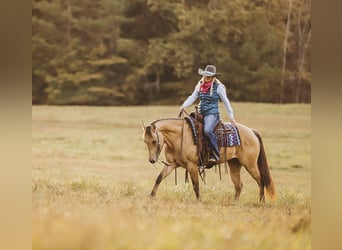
264	169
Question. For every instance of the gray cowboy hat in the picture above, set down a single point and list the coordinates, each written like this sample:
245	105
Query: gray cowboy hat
209	70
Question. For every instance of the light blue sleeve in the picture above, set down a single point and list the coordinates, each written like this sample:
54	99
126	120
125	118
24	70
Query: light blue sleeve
221	90
192	98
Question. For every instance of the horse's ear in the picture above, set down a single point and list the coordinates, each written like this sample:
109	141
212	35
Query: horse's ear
143	125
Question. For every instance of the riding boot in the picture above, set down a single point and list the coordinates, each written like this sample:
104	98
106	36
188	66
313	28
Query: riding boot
210	121
213	145
212	160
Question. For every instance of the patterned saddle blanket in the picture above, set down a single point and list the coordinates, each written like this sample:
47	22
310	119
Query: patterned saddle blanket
227	135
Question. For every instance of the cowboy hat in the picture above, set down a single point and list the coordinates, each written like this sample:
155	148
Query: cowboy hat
209	70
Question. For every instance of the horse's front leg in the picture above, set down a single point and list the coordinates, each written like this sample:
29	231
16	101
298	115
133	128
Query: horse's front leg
193	171
163	174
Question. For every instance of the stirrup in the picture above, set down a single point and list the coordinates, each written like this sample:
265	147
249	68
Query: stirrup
217	157
211	162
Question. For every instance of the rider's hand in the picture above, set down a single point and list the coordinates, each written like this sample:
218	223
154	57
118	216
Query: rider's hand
233	121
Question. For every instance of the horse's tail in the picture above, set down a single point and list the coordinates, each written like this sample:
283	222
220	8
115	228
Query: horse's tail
264	169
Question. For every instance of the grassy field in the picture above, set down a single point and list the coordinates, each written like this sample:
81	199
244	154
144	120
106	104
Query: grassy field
91	179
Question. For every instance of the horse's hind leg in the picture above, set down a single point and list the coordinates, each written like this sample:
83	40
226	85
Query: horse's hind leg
235	168
163	174
253	170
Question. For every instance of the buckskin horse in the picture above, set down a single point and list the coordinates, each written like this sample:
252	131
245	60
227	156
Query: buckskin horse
175	135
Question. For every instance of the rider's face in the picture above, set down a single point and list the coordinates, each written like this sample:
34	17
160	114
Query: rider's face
208	78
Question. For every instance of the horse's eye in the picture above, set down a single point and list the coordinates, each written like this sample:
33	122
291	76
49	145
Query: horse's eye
154	142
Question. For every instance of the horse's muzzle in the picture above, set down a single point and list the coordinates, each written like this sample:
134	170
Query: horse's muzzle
152	161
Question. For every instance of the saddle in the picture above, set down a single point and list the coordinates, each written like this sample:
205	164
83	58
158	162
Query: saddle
198	121
226	134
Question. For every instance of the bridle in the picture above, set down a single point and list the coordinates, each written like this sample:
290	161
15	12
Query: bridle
159	147
148	130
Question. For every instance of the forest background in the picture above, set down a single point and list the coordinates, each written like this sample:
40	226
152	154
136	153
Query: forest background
138	52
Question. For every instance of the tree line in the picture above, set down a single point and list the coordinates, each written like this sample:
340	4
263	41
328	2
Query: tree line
134	52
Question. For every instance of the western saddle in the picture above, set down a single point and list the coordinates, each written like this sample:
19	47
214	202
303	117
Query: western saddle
201	141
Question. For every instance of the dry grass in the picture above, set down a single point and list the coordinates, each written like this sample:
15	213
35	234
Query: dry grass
91	180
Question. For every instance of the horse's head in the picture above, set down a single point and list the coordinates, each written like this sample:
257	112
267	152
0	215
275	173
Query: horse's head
154	141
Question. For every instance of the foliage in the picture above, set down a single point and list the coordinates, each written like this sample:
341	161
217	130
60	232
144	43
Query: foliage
134	48
72	48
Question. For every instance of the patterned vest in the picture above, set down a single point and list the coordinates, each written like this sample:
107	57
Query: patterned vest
209	103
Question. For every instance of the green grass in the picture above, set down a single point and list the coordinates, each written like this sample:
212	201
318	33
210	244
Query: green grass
91	180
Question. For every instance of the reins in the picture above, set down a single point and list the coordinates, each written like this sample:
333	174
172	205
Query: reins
159	149
200	170
158	144
181	147
182	133
183	111
175	165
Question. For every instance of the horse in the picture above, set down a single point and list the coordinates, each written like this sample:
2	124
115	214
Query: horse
175	136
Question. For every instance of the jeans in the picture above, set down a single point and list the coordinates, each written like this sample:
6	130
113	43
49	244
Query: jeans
210	122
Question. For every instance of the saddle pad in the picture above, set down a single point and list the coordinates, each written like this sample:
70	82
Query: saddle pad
193	128
227	137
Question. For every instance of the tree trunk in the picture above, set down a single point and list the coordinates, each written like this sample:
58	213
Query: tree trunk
302	46
285	51
157	82
301	67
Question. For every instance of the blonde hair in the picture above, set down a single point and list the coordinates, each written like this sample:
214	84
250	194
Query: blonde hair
201	81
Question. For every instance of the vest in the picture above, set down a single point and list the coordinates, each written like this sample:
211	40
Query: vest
209	104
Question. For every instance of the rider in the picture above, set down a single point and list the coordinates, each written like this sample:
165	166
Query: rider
209	90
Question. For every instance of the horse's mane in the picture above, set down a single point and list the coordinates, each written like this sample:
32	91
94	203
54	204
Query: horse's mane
165	119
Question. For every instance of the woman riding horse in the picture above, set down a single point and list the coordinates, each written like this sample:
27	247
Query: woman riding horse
209	90
175	136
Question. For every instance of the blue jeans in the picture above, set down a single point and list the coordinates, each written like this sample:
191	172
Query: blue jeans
210	122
